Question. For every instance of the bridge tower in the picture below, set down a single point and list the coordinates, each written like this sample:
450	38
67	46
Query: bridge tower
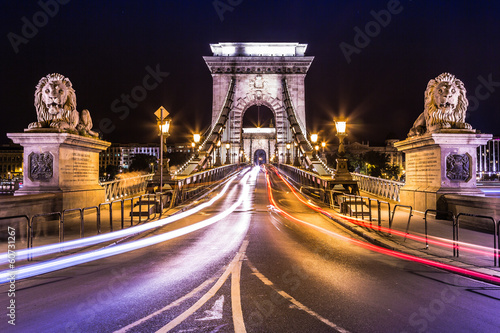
262	74
269	75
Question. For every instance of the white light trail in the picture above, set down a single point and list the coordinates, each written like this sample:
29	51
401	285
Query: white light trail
69	245
72	260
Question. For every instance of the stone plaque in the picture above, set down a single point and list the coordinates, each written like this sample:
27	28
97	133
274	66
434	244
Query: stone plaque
79	168
458	167
422	168
41	166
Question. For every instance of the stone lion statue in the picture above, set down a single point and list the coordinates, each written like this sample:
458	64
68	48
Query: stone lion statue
55	104
444	108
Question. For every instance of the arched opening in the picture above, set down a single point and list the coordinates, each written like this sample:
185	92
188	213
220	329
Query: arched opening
259	157
258	116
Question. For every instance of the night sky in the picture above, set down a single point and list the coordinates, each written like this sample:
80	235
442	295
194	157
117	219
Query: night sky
107	48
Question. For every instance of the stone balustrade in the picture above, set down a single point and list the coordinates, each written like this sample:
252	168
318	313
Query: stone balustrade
382	187
120	188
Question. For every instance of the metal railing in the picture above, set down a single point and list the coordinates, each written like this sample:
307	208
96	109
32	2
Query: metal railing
389	189
185	189
496	233
120	188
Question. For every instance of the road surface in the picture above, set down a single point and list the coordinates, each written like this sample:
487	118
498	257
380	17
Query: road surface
256	271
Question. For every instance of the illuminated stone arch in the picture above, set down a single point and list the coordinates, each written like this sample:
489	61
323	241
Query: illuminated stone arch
259	72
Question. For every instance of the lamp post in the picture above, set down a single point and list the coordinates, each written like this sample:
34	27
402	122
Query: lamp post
196	138
218	161
342	171
288	146
296	161
314	139
228	146
341	134
164	127
323	145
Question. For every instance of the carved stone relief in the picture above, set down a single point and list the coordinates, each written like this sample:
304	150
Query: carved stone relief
41	166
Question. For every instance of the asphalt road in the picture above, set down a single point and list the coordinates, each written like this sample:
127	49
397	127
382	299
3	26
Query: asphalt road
255	271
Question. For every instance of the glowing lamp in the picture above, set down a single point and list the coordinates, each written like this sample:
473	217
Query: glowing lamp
196	137
340	126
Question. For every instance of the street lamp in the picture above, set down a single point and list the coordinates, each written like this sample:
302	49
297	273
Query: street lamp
323	145
341	134
164	127
228	146
342	171
218	161
196	138
296	161
314	139
288	146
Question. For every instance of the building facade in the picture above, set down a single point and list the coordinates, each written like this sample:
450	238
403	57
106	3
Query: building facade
11	161
121	155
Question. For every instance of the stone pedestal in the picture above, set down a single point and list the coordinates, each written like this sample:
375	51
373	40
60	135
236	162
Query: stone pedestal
342	170
437	164
62	163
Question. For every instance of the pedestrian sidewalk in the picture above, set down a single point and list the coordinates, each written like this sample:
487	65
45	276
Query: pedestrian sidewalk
440	236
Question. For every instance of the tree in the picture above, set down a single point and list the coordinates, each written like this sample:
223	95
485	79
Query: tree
392	171
142	162
376	162
111	171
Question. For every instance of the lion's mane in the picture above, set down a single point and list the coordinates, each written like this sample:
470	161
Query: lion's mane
434	118
42	110
434	115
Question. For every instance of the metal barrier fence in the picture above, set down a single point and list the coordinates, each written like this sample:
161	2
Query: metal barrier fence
185	189
496	232
63	218
346	201
382	187
120	188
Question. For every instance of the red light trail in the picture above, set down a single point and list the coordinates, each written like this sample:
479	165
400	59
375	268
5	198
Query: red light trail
369	246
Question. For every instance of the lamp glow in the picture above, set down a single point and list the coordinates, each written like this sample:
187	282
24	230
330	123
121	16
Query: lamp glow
341	126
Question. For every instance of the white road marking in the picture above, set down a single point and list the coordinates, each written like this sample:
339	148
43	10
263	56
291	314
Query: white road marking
216	311
186	314
238	322
170	306
292	300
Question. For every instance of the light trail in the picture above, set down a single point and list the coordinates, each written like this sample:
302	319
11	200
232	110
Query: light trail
72	260
92	240
438	241
379	249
